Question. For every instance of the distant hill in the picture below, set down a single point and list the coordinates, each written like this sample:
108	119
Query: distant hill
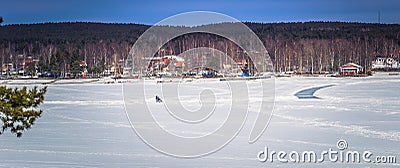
70	32
327	30
310	47
90	32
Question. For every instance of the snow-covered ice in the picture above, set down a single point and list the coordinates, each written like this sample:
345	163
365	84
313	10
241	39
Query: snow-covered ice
86	126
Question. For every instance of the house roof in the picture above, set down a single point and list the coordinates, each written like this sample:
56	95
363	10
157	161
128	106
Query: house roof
351	65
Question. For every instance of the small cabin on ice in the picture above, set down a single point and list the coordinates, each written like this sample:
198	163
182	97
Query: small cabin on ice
350	69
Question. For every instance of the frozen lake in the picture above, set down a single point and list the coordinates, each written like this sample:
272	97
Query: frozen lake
86	126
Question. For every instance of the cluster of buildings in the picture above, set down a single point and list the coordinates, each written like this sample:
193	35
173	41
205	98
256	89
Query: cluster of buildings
27	67
166	64
170	65
378	64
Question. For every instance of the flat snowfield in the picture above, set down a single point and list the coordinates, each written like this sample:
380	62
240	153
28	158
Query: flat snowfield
85	125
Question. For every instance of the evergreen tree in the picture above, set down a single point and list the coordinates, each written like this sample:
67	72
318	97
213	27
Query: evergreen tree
18	108
31	69
76	69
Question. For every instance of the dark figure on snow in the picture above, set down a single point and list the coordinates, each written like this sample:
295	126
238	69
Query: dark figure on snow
158	99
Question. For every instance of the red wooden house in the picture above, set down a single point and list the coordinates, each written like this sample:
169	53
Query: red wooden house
350	69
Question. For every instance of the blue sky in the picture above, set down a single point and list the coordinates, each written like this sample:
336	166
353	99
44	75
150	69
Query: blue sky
153	11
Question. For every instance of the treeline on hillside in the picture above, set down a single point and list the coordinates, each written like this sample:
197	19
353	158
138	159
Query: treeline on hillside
314	47
311	47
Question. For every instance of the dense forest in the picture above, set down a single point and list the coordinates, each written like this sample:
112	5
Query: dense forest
311	47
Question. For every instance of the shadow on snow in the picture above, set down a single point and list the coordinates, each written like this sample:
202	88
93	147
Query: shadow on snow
309	93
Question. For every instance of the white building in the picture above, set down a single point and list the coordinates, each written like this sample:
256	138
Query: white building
385	63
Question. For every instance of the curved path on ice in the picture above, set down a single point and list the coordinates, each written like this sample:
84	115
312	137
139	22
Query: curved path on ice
309	93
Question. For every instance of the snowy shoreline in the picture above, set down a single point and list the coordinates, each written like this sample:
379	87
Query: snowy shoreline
108	80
